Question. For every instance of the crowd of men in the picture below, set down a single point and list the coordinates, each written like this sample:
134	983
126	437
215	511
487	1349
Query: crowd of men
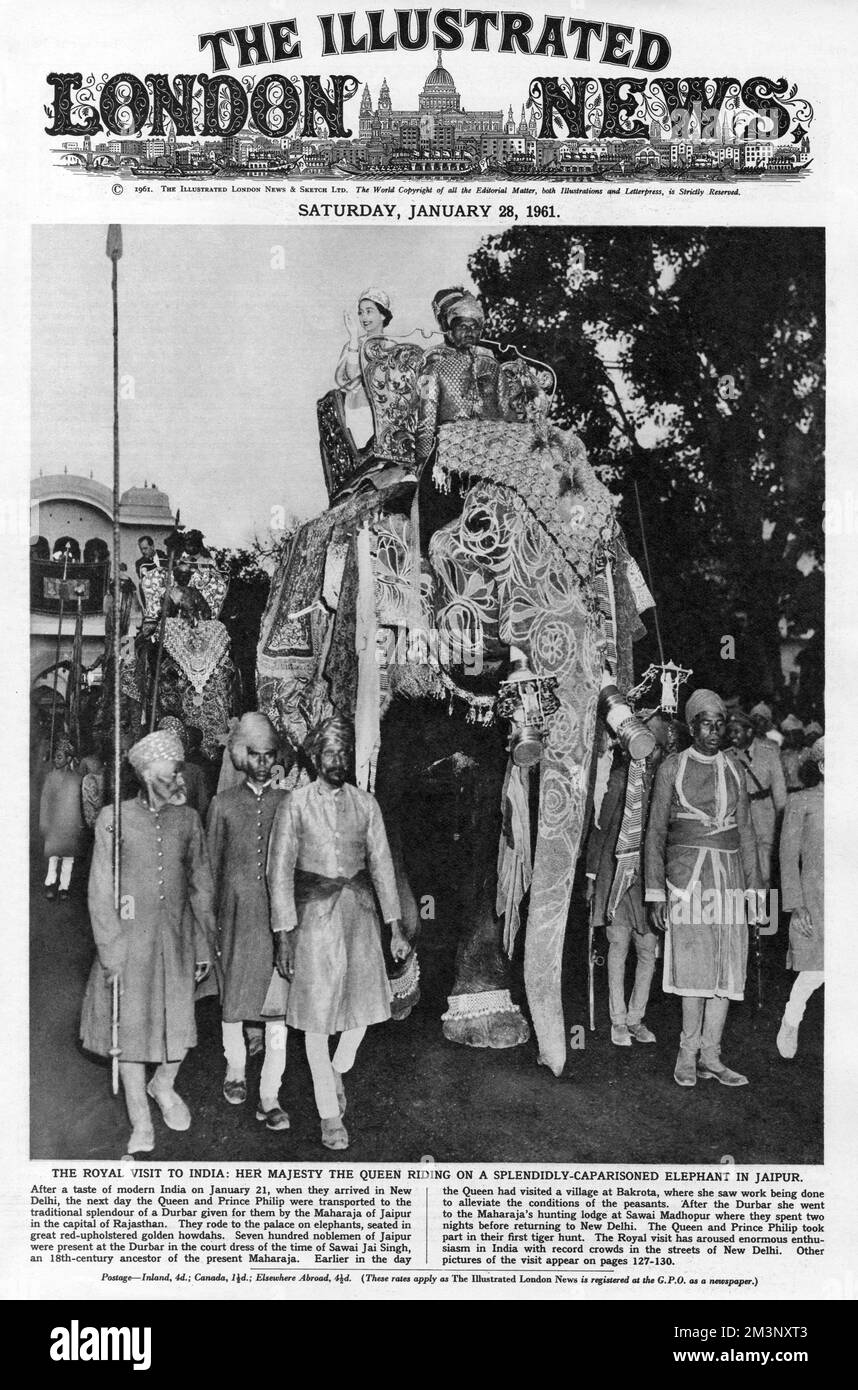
211	893
218	885
685	846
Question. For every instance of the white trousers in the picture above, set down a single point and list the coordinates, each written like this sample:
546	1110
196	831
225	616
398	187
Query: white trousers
274	1062
322	1068
65	867
133	1076
806	981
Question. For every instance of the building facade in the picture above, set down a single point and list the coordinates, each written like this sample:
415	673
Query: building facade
439	118
66	505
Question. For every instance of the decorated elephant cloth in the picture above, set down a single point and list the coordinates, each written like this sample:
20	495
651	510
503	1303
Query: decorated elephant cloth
208	707
510	565
300	639
196	659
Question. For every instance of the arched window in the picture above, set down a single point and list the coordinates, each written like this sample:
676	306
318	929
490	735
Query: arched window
59	547
40	549
96	551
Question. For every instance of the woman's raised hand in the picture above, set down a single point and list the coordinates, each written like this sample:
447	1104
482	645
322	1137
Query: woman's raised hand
352	327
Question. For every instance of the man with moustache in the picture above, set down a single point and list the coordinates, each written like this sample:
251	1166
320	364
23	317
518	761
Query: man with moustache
614	863
159	941
700	858
461	380
327	852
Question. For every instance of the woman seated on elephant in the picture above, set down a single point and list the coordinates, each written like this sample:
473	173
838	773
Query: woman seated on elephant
371	320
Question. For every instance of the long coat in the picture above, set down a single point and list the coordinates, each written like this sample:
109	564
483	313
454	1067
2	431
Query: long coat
325	847
164	926
239	827
700	857
60	815
802	879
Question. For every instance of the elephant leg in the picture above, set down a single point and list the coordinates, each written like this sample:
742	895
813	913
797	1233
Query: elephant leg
480	1010
395	774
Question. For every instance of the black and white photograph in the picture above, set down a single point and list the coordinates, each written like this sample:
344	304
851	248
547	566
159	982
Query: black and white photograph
427	579
427	694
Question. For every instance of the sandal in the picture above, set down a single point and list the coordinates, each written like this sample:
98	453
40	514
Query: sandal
334	1134
275	1118
235	1092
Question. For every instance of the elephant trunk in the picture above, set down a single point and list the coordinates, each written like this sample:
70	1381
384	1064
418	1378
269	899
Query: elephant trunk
543	955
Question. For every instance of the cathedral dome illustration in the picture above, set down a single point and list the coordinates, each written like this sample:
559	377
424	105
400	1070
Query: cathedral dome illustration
439	78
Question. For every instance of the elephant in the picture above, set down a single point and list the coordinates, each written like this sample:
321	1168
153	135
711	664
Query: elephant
469	535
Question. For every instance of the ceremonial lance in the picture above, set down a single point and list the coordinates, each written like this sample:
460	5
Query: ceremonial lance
114	251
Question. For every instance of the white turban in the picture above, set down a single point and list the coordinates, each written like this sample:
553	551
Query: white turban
155	747
704	702
251	726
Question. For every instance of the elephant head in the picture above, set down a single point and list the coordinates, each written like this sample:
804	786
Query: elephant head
527	564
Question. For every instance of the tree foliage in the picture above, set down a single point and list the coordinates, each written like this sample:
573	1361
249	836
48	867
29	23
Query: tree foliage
690	360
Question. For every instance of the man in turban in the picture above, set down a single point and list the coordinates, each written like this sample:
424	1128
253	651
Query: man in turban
460	381
239	826
196	786
761	767
700	860
158	942
615	885
328	851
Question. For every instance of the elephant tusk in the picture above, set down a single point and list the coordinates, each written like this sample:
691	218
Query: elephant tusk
311	608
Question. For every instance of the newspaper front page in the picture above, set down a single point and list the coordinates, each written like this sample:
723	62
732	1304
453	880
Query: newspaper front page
461	373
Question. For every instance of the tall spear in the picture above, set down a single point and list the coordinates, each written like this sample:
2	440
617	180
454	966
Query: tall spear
162	632
114	251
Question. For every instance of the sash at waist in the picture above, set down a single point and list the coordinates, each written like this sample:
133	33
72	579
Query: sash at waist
689	834
316	888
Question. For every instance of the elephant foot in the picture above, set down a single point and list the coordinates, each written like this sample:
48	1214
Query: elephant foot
405	989
488	1019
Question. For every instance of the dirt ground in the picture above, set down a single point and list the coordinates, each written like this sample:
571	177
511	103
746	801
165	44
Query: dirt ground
412	1094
